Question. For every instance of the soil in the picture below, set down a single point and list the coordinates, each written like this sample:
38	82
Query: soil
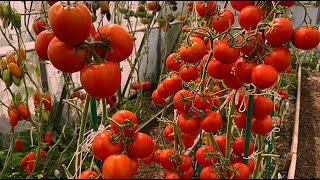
308	161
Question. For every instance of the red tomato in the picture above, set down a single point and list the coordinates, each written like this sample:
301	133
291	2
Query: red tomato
121	43
38	26
224	53
70	25
23	111
13	116
51	2
212	122
240	120
42	43
204	156
223	22
120	117
207	9
194	51
187	174
281	32
232	81
141	146
249	48
185	162
262	106
166	158
259	77
239	5
221	142
161	92
106	76
283	94
306	38
88	174
117	166
239	159
148	159
243	69
249	17
145	85
202	100
157	156
188	124
135	85
47	101
242	171
172	84
18	145
193	34
238	146
134	166
42	153
218	70
182	100
188	73
47	137
151	5
262	125
172	175
102	146
167	132
156	98
173	62
208	173
66	58
187	144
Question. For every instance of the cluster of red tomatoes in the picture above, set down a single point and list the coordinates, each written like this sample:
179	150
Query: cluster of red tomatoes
72	41
29	160
145	85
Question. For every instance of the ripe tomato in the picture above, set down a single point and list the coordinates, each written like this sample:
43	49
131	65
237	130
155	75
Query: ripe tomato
249	48
243	69
145	85
167	132
259	78
141	146
188	124
218	70
148	159
47	101
151	5
66	58
11	58
306	38
194	51
172	175
223	21
172	84
135	85
239	5
102	145
18	145
262	106
212	122
161	92
249	17
262	125
232	81
70	25
283	94
242	171
239	159
194	34
106	76
240	120
42	153
13	118
23	111
134	166
182	100
188	73
47	137
204	156
167	158
38	26
42	43
173	62
224	53
121	43
185	162
156	98
280	33
238	146
208	173
117	166
187	174
157	156
51	2
120	117
88	174
15	69
202	100
221	142
206	9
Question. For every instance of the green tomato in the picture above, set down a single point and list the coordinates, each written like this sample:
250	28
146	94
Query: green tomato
5	10
145	20
149	16
17	20
5	22
45	115
141	9
18	97
16	81
7	76
141	14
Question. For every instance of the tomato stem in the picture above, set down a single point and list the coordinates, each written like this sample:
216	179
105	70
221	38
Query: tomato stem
260	150
229	127
248	127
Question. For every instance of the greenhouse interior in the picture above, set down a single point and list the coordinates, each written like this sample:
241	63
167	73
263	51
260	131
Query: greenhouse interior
159	90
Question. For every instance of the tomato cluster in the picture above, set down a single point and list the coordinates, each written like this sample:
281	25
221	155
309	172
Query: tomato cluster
29	160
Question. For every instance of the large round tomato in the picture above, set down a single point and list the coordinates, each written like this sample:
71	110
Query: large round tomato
208	173
173	62
66	58
187	174
101	80
156	98
188	73
87	174
202	100
224	53
166	158
306	38
223	22
194	51
121	117
262	125
232	81
204	156
262	106
172	84
243	69
206	8
212	122
188	124
70	25
239	5
238	146
185	162
259	77
102	146
141	146
242	171
121	43
41	44
182	100
117	166
218	70
38	26
280	33
249	17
